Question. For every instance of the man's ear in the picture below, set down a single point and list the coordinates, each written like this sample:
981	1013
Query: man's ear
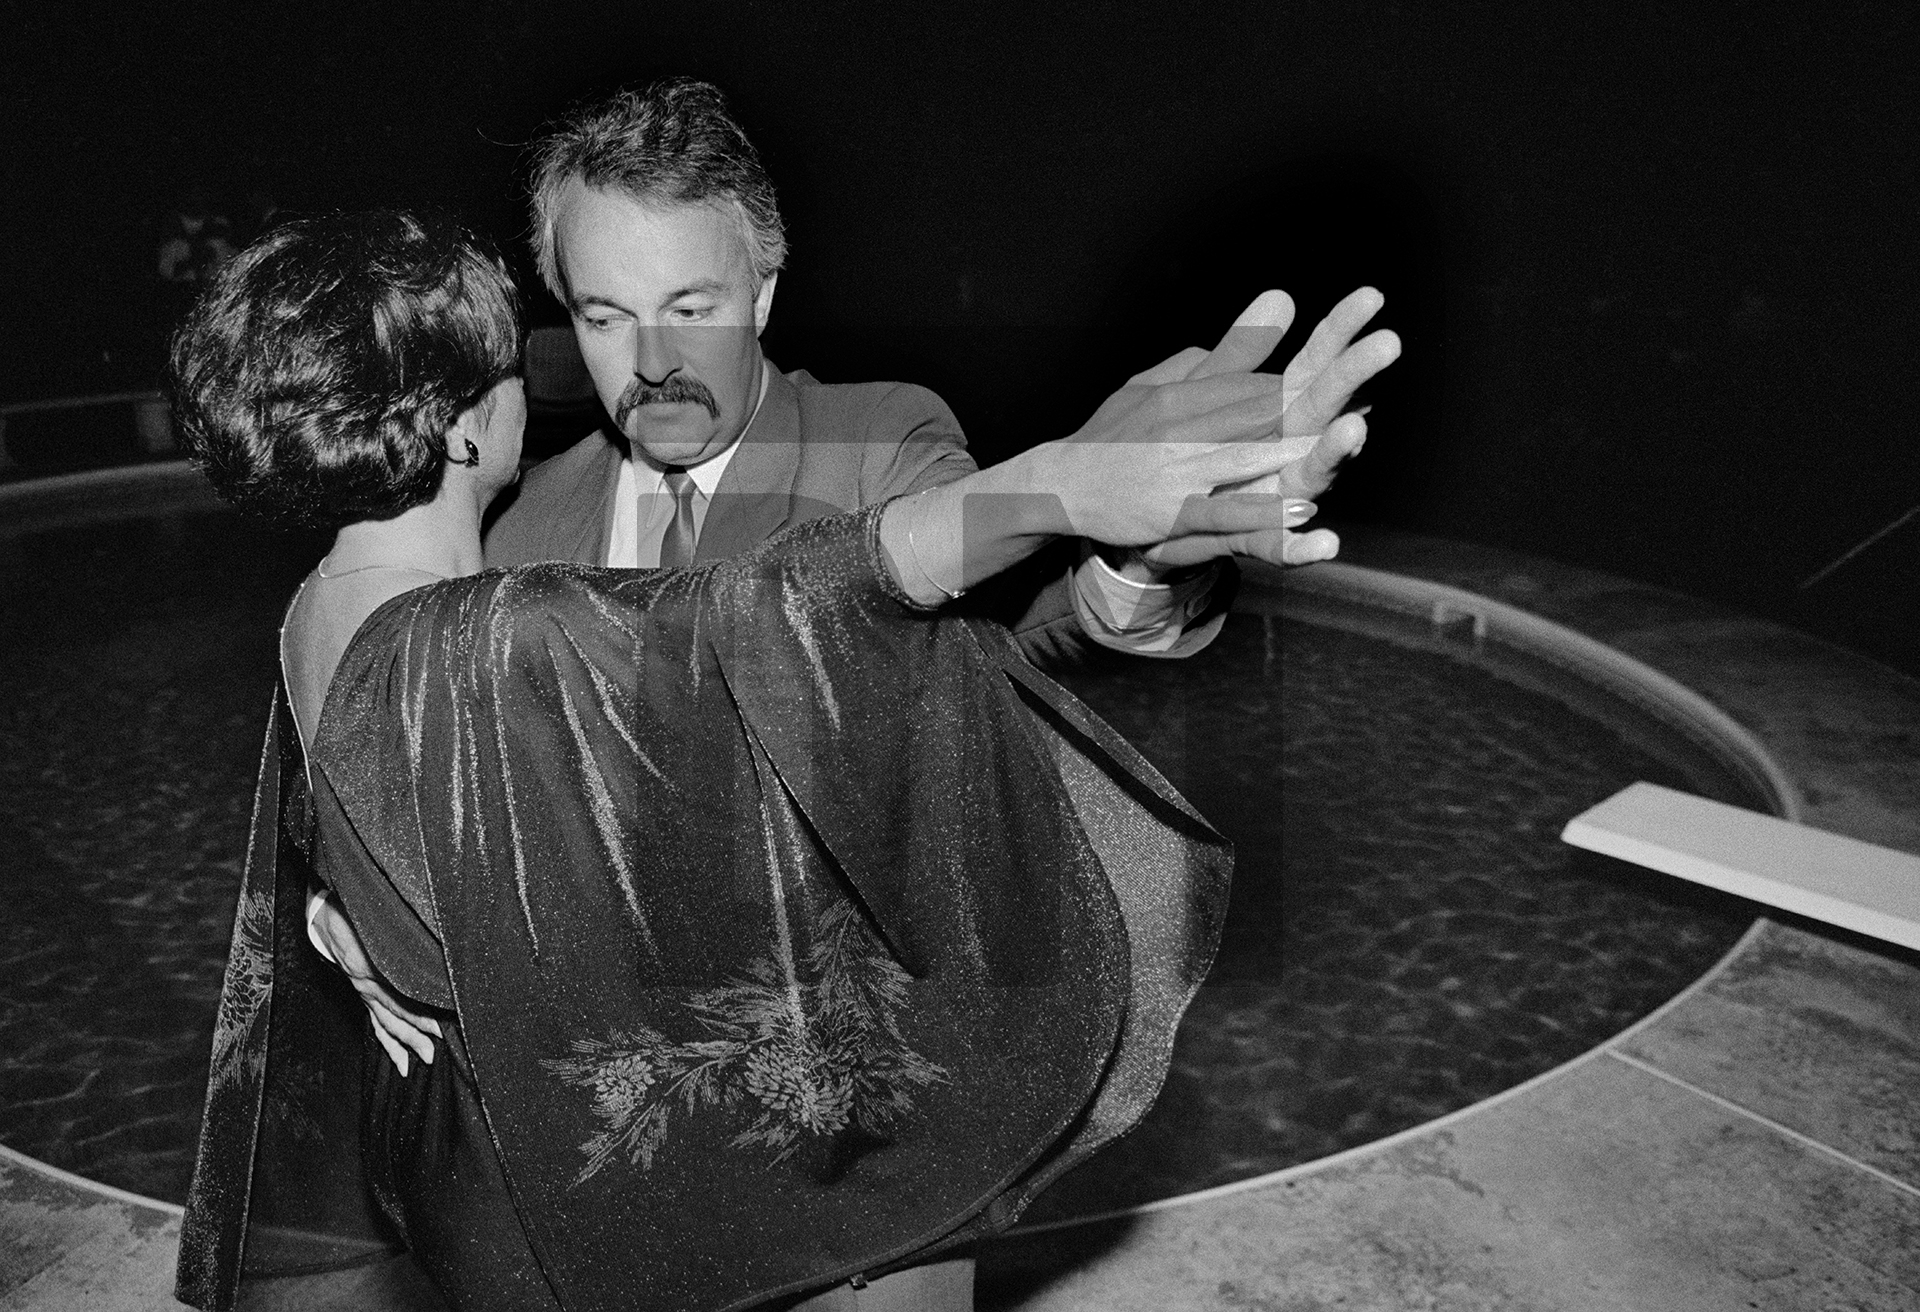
763	303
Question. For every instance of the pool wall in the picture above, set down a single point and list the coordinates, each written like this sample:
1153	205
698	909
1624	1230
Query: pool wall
1522	648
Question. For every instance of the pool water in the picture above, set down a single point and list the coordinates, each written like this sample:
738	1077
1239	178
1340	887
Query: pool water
136	671
1407	934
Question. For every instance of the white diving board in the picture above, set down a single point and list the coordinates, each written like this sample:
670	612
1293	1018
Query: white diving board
1842	881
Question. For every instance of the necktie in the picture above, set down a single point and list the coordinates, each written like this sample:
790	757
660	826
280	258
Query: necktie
676	545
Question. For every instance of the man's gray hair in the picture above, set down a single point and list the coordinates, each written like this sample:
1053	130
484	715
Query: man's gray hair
672	142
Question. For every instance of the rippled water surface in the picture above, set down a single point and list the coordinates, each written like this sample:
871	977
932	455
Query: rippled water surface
1407	933
136	669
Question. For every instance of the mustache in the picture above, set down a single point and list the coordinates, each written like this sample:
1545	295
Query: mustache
677	390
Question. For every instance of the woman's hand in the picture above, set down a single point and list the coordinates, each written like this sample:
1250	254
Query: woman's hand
398	1028
1318	385
1199	421
1175	460
1278	546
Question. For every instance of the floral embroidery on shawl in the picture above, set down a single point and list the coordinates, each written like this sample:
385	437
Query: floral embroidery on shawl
248	984
810	1056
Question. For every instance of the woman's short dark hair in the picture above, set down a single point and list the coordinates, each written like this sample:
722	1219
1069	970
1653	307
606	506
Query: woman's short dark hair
316	379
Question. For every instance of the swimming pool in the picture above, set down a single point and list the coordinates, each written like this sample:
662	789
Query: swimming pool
1407	934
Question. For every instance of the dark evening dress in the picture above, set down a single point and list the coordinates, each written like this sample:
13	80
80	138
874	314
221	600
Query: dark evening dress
788	933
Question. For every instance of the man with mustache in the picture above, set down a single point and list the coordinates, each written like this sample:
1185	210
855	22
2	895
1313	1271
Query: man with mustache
656	226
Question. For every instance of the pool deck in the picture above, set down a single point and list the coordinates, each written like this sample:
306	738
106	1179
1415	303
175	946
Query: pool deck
1753	1145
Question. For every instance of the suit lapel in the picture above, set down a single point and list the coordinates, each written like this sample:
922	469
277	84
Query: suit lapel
585	523
755	495
562	511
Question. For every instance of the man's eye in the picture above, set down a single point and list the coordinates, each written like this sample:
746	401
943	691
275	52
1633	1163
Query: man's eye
691	313
599	325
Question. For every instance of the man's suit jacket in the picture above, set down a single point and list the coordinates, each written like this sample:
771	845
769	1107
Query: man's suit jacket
815	449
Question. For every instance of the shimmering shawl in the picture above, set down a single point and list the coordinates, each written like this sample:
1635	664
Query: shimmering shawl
795	933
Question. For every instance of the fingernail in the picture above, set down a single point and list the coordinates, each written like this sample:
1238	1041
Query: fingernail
1299	512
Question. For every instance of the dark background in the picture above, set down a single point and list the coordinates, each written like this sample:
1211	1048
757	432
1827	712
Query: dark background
1654	264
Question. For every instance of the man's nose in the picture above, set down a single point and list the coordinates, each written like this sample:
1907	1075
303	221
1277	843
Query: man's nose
654	357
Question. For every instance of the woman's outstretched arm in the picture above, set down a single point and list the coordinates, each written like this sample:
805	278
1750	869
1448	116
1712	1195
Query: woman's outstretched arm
1152	466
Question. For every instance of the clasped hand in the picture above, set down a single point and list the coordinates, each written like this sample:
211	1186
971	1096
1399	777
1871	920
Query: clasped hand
399	1028
1199	457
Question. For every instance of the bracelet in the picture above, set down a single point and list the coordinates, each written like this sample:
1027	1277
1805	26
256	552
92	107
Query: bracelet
925	573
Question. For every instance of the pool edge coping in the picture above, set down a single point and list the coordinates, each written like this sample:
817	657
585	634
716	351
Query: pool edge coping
1381	1147
82	480
81	1184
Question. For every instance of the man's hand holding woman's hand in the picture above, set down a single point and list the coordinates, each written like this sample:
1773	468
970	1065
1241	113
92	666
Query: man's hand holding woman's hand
1298	457
1197	458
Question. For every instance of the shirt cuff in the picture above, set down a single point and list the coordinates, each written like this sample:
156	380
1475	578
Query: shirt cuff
1142	618
315	900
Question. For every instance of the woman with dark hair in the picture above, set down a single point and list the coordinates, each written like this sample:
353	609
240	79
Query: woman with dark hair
358	373
778	930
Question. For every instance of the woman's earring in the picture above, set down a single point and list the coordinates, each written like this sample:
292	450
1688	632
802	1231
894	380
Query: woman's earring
473	455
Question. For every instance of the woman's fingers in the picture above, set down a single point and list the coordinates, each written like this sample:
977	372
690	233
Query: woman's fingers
1331	335
1288	452
1255	335
1330	391
1173	369
1253	485
1300	466
1278	546
1217	413
1230	401
1196	410
1240	512
1245	347
1233	465
1294	548
1313	473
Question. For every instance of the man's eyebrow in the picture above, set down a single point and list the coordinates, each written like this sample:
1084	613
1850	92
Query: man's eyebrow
700	287
579	303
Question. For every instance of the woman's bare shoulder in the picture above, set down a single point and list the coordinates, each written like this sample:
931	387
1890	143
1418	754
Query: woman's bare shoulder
321	623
